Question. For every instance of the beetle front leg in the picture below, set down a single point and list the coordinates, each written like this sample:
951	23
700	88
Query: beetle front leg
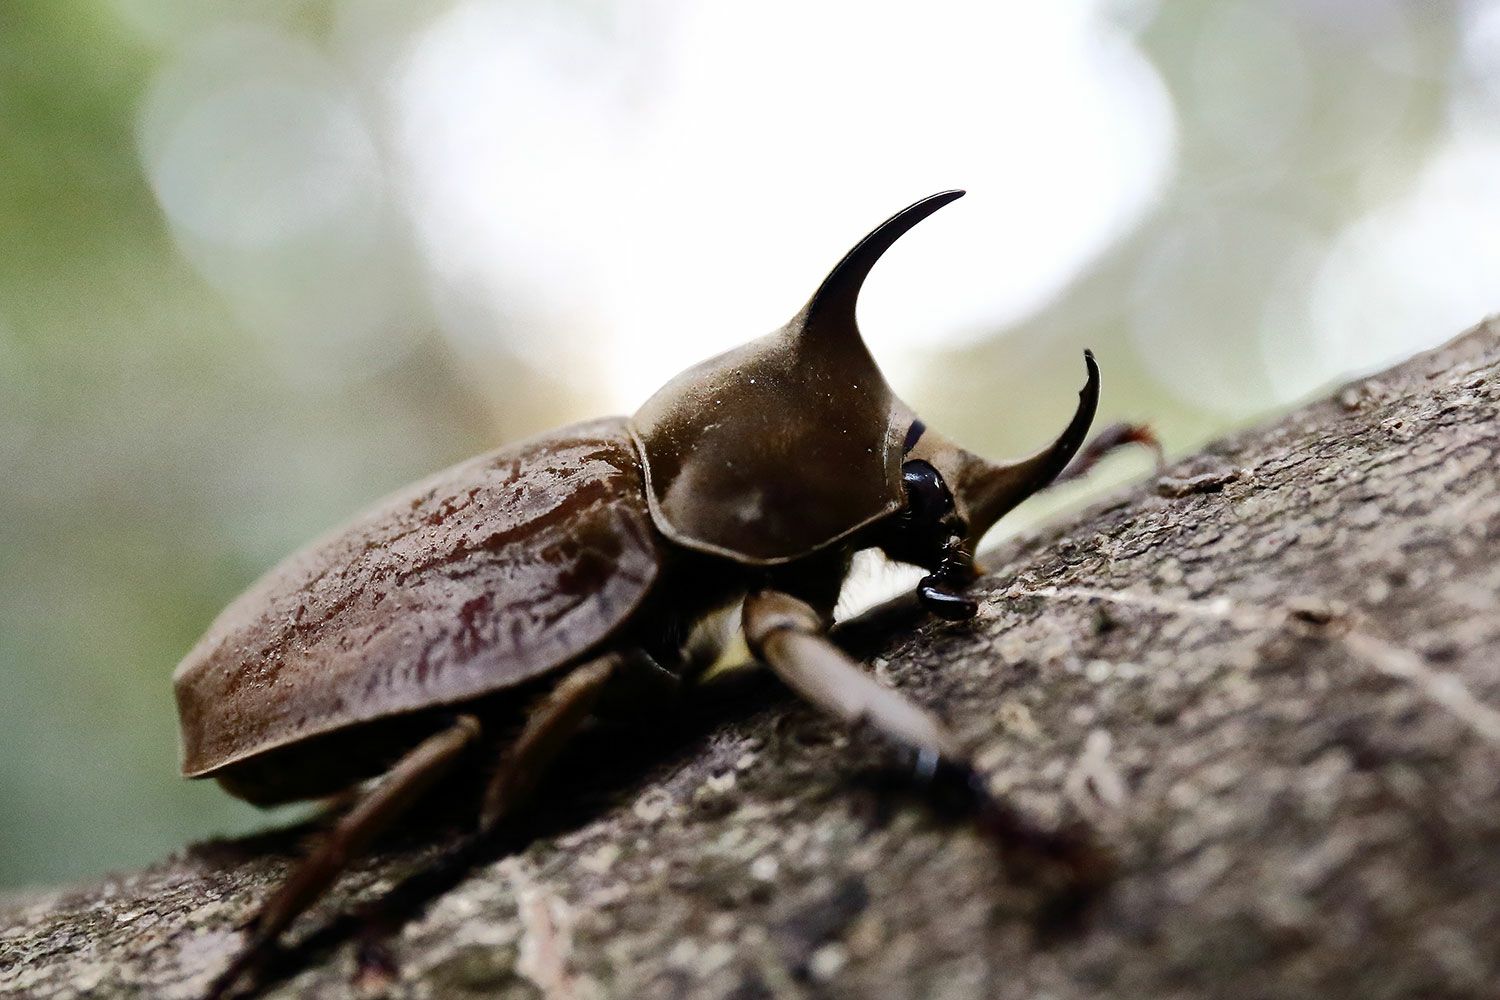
788	635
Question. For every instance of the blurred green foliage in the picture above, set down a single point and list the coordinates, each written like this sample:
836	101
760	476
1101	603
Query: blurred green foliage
132	408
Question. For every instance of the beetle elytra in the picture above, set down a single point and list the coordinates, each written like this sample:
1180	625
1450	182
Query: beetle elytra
557	564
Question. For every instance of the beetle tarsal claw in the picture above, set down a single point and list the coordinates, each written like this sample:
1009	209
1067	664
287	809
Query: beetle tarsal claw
1068	856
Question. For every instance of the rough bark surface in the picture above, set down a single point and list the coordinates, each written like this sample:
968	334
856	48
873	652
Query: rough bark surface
1269	680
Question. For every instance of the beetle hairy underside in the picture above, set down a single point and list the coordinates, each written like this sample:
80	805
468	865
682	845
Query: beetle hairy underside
524	581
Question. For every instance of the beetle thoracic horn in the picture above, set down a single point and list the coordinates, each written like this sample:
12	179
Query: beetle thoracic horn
988	491
786	444
830	311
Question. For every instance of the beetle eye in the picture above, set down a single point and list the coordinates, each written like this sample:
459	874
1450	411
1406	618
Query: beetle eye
913	435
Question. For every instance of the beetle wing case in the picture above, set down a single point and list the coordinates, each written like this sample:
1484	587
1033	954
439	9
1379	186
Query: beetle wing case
480	578
776	449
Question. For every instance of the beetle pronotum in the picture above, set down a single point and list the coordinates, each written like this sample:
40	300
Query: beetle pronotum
748	481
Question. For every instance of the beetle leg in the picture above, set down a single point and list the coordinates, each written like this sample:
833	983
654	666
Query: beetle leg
549	726
638	686
412	775
1109	440
788	635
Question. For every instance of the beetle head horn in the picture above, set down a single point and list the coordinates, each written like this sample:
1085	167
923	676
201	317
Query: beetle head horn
986	491
827	321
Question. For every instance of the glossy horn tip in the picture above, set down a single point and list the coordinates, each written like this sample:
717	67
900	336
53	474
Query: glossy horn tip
1088	403
834	300
1093	370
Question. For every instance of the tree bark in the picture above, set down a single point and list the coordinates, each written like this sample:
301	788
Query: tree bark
1269	682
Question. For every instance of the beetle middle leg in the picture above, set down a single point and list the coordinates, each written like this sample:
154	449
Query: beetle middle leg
549	725
789	636
401	788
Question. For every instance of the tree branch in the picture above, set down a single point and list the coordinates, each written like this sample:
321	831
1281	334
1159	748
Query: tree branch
1268	680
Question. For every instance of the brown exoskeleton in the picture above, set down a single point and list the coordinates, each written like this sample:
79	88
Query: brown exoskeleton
749	480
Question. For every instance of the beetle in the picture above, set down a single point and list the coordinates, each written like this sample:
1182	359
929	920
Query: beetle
399	646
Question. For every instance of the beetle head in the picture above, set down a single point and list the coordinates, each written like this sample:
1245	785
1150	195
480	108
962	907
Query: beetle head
774	450
953	497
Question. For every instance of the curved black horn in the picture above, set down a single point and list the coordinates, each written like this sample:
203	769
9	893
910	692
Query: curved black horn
991	490
832	305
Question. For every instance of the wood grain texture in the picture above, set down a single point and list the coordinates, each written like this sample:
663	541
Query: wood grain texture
1269	680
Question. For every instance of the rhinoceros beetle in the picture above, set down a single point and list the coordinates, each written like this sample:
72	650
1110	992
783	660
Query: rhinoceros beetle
555	565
